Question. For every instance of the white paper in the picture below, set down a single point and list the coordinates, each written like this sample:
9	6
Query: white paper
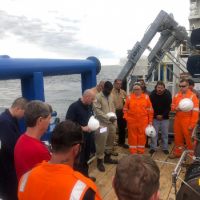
103	130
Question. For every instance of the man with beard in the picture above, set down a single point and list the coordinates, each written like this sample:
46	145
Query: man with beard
161	101
56	179
104	137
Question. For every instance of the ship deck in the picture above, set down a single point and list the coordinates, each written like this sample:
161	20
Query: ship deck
166	165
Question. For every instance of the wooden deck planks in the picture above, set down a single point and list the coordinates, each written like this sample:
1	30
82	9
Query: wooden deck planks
104	179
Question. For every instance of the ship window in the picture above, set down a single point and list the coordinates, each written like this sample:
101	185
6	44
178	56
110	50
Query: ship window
156	74
161	72
169	73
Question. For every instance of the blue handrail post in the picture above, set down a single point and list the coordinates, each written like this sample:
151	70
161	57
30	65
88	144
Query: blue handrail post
88	80
33	86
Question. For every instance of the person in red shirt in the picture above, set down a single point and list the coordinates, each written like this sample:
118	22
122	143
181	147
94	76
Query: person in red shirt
29	150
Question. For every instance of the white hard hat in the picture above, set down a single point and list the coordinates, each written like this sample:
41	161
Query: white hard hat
93	124
150	131
111	114
186	105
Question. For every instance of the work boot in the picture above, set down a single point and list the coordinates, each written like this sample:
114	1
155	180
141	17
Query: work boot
166	152
109	160
125	146
152	151
100	165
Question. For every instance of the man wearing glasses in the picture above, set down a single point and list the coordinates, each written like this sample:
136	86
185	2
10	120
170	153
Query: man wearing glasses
184	122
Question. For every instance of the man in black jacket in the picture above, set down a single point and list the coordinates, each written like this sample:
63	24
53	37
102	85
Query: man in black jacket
9	133
79	112
161	101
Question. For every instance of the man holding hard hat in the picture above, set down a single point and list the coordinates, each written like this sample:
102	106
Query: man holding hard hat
186	106
80	112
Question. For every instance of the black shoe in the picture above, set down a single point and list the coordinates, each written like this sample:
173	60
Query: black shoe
109	160
100	165
152	151
92	178
147	145
169	141
166	152
125	146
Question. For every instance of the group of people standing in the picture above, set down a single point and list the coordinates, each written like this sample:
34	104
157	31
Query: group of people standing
134	112
73	142
142	109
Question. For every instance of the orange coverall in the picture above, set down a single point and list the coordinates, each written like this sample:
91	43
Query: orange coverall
183	121
138	112
54	181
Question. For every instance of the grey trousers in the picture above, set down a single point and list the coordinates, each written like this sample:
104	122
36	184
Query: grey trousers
104	142
164	126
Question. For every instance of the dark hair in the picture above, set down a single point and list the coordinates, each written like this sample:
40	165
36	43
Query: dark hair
117	80
160	83
137	177
20	102
184	80
65	135
108	85
34	110
136	84
191	82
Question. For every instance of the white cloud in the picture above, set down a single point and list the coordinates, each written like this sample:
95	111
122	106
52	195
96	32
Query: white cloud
102	28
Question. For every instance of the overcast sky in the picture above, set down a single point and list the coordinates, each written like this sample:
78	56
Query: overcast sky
80	28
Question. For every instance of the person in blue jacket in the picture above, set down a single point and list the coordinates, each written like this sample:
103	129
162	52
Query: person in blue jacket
9	133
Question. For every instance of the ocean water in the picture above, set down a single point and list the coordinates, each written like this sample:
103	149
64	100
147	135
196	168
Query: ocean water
60	91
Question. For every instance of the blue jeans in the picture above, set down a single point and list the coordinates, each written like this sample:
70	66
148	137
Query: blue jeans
164	126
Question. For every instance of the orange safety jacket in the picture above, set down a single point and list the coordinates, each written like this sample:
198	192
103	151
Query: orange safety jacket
192	115
138	109
54	181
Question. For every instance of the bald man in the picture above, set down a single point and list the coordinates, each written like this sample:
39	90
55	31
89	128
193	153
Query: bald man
80	111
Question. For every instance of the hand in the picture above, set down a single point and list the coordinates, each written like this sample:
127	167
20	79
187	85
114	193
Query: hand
85	129
177	109
159	117
150	123
112	119
190	129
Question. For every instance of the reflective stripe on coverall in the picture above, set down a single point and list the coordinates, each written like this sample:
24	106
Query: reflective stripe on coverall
138	112
54	181
183	121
